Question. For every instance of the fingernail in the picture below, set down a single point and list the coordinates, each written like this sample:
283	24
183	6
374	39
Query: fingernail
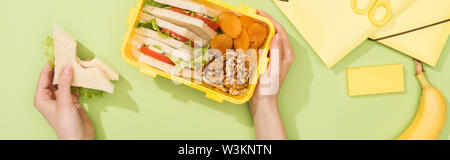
276	36
67	69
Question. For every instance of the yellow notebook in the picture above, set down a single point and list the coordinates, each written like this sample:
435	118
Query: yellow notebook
331	27
375	80
425	44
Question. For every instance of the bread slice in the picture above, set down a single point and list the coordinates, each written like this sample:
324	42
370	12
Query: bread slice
169	41
195	25
192	6
177	29
112	75
94	75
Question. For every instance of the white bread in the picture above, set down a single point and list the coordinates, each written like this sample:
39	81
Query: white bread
169	41
112	75
192	6
195	25
177	29
186	73
93	77
177	53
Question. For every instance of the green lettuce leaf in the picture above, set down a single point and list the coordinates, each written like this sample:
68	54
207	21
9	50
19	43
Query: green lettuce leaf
156	4
153	26
49	51
214	19
149	25
90	93
157	47
188	43
87	93
163	35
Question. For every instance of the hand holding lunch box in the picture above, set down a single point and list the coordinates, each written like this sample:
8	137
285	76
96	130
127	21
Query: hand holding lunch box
162	44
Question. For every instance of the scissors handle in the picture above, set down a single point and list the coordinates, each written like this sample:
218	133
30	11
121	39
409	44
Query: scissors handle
380	3
363	10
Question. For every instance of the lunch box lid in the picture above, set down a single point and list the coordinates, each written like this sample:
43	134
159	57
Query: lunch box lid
211	93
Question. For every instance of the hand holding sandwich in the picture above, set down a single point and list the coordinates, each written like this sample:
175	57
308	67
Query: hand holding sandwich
61	107
266	117
74	77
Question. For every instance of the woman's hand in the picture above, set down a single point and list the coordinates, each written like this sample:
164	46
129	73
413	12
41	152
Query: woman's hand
61	107
264	104
282	56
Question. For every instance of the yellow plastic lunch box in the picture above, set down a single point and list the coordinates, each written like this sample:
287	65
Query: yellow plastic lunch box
211	93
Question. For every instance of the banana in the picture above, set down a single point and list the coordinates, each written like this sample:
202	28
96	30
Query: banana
431	114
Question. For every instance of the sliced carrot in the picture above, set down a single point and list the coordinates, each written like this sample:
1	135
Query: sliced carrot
243	41
230	24
257	33
222	42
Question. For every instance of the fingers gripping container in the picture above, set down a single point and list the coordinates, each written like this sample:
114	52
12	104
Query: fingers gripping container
211	93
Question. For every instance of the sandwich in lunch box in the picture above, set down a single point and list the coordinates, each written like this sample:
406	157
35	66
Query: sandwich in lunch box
188	39
200	19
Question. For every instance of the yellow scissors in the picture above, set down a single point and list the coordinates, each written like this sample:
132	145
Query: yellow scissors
371	8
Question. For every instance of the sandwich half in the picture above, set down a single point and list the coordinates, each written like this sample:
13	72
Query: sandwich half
169	33
92	74
197	17
158	50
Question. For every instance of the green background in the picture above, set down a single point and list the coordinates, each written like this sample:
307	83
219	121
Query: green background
313	101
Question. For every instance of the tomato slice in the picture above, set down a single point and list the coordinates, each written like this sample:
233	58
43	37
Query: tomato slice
156	55
210	23
176	35
178	10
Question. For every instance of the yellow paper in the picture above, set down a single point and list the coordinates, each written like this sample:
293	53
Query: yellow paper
426	44
331	27
375	80
420	13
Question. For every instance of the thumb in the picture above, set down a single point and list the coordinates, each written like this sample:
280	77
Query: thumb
64	84
275	47
276	42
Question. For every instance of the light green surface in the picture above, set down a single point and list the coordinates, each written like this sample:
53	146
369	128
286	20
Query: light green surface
313	100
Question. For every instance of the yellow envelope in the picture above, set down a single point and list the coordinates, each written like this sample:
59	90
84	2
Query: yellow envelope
425	44
331	27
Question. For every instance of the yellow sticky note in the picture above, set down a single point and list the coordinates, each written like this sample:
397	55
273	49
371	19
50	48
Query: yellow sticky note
375	80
